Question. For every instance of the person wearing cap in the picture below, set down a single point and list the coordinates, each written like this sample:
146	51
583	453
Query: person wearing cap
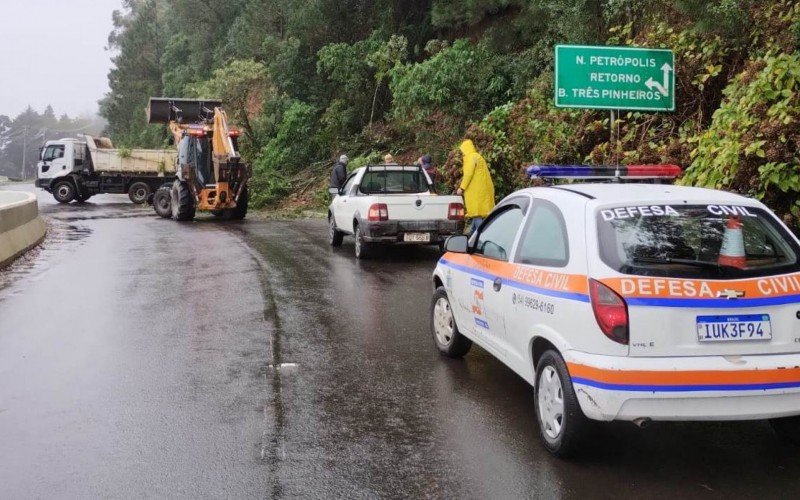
339	172
476	185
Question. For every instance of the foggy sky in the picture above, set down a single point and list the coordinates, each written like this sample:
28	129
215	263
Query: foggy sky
53	52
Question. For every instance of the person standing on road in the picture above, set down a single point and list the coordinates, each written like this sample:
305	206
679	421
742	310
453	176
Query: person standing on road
476	185
339	172
389	160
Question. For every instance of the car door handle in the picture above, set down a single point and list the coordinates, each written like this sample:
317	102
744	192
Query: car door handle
498	284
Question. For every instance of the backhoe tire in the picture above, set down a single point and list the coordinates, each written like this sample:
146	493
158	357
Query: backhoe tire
138	192
182	202
240	212
162	202
64	191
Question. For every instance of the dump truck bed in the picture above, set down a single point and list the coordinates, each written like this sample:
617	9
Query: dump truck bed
105	159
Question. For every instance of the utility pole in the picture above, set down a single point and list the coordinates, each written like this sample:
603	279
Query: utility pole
24	151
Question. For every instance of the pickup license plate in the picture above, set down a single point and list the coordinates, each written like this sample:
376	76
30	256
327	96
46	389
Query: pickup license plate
730	328
417	237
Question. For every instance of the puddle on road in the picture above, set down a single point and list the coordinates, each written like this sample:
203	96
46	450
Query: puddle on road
90	211
61	238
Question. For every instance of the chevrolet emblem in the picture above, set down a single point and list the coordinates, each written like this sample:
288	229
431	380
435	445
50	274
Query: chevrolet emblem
730	294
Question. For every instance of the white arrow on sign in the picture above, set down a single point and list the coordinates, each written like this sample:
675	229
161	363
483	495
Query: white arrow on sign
663	88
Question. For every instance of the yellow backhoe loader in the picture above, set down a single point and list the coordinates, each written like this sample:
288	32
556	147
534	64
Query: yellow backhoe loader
210	175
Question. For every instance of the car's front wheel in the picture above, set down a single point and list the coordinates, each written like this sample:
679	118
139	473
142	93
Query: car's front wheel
446	337
561	421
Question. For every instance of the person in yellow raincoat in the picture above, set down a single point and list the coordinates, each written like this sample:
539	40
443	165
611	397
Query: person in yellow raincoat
476	185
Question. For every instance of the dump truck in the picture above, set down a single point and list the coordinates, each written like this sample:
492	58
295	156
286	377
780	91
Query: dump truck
210	174
75	169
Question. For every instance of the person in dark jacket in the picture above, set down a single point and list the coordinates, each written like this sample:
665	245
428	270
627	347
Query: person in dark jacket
339	172
426	162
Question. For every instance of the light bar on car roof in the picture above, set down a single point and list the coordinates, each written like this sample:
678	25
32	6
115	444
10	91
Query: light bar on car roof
598	172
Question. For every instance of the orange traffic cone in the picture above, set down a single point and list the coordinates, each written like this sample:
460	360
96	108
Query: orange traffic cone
732	252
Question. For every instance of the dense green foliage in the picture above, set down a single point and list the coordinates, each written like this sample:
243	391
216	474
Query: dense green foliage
310	80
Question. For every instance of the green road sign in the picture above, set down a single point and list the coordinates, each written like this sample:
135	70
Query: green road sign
615	78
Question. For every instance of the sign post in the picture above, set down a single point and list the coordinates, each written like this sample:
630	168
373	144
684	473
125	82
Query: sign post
614	78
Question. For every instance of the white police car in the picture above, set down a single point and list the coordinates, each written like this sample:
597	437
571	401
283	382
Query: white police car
634	302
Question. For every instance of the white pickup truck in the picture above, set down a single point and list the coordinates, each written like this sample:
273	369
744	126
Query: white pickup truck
392	204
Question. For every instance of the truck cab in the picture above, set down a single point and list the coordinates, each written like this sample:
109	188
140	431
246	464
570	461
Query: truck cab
58	159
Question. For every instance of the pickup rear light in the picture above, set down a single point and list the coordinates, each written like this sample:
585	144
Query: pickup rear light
378	212
610	311
455	211
234	132
196	132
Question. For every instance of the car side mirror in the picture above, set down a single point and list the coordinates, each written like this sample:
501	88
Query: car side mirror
333	191
456	244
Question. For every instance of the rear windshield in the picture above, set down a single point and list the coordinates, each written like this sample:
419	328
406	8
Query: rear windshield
686	241
394	182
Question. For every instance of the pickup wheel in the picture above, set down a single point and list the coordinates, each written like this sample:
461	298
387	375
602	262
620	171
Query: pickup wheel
182	202
335	235
446	337
162	202
64	192
561	420
363	248
139	192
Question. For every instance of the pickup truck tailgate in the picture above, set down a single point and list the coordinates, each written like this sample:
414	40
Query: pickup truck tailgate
418	207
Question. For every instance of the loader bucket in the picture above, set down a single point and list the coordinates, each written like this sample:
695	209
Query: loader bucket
167	109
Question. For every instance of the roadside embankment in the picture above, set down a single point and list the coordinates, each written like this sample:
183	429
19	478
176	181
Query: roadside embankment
20	225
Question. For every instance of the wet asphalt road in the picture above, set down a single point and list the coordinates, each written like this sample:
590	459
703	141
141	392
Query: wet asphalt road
144	358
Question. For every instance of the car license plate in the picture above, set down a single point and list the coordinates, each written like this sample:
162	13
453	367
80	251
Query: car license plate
417	237
730	328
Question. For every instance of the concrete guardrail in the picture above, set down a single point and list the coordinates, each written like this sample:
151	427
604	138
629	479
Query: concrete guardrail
20	225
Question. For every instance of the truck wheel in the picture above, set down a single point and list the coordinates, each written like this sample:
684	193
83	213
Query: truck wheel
363	248
446	337
240	212
182	201
787	428
139	192
336	236
162	202
82	199
561	421
64	192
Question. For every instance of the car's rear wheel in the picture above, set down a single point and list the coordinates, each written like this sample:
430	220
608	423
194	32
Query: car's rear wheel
363	248
334	235
561	421
787	428
448	340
